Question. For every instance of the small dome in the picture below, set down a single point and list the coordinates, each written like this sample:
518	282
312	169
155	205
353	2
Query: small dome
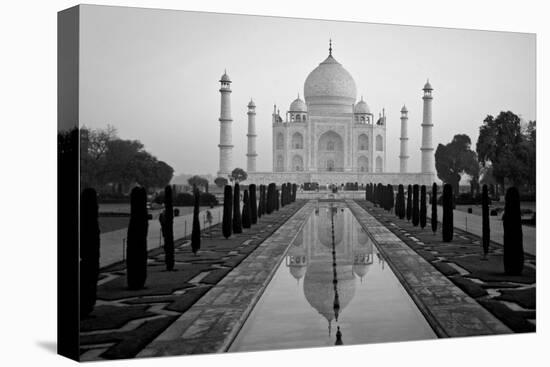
298	106
360	270
427	86
251	104
361	107
404	109
298	271
225	78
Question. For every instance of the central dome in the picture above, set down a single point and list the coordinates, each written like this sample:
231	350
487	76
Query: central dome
329	84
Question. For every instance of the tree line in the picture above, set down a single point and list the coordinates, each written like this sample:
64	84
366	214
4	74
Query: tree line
413	207
113	165
505	155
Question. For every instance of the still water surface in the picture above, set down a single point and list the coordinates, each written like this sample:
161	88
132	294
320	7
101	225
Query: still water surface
333	287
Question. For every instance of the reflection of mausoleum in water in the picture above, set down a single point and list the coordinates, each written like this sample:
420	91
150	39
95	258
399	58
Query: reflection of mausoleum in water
327	288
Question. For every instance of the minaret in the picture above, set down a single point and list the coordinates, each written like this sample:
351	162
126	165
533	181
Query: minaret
427	165
251	154
403	156
226	147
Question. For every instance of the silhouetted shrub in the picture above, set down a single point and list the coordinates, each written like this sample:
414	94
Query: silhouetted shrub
415	206
434	207
196	233
486	230
246	210
283	195
261	205
227	211
409	202
400	203
167	228
447	223
382	195
253	204
391	199
513	233
276	199
89	250
269	199
294	190
423	208
237	224
136	244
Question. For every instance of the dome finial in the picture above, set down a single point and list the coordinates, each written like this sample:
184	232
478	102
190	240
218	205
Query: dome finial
330	46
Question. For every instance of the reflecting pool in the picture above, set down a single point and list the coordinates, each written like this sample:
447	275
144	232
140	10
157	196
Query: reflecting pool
332	288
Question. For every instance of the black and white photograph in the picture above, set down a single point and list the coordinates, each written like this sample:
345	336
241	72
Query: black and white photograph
232	181
294	183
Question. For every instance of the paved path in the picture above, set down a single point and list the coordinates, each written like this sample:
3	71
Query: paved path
512	299
472	223
113	243
450	311
214	321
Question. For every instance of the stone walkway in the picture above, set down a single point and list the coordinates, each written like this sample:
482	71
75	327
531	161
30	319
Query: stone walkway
113	242
213	322
449	310
124	322
512	299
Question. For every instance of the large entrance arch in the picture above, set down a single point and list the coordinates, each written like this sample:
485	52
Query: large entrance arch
330	152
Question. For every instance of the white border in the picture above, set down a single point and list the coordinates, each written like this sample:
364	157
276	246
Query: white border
28	156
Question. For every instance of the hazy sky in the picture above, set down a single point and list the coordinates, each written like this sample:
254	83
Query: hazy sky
153	74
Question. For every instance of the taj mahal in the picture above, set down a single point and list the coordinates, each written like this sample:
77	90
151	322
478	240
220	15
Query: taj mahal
329	137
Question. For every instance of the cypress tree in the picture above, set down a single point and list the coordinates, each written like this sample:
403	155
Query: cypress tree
397	203
196	232
367	193
89	250
391	199
409	202
384	197
283	195
277	199
269	199
262	199
486	231
136	244
434	208
294	191
447	224
168	229
415	207
246	210
513	233
227	211
401	200
423	208
253	204
237	223
260	213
